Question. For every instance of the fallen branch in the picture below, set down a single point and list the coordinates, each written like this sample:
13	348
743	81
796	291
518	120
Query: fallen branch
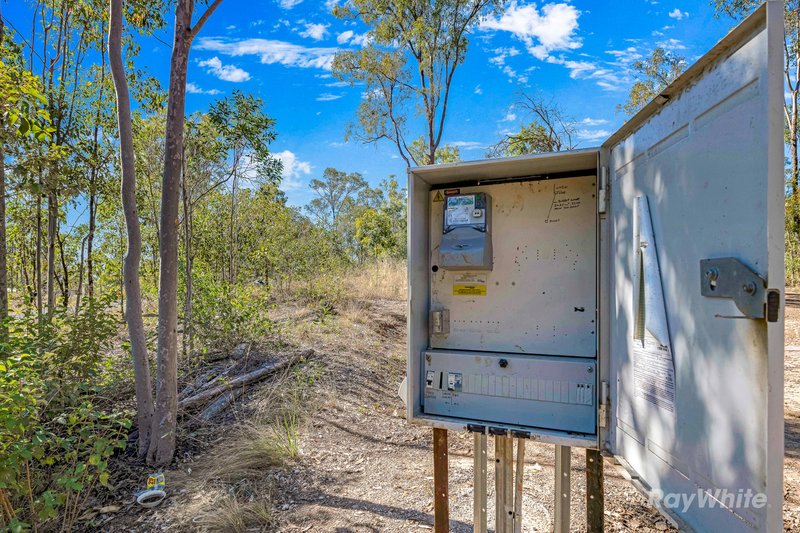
221	403
242	380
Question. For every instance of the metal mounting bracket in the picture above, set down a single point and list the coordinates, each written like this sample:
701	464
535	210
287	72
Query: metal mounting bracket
727	277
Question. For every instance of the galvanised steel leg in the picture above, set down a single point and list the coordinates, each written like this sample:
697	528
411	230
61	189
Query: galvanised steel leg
562	490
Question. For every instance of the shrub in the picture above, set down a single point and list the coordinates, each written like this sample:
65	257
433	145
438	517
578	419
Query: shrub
226	314
55	438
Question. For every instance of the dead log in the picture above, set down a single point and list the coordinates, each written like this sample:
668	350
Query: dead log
221	403
242	380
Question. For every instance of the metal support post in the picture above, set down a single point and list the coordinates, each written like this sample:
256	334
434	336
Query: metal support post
562	490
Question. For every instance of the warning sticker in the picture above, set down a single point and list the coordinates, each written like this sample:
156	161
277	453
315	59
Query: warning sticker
469	285
439	197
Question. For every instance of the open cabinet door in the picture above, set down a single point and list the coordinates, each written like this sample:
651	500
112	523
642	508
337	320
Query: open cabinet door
696	346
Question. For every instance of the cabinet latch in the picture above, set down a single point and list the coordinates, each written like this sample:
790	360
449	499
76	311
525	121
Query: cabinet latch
727	277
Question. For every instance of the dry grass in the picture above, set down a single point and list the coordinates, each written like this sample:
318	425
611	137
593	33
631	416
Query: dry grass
232	486
384	279
235	516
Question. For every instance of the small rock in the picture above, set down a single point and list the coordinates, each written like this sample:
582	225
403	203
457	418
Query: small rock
661	526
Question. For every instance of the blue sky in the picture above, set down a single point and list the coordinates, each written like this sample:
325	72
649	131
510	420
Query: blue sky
576	53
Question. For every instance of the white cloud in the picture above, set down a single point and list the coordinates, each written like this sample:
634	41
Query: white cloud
328	97
193	88
592	135
231	27
605	77
345	36
499	59
315	31
543	32
272	51
338	84
468	145
510	117
593	121
289	4
353	38
293	170
671	45
330	4
677	14
627	56
224	72
478	89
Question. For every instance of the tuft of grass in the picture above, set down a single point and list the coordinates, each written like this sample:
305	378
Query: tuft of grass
233	516
251	451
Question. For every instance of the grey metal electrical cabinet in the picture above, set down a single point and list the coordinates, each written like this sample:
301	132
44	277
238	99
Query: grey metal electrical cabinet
627	297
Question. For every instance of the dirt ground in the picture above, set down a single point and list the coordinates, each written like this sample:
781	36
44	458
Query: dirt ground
365	469
362	468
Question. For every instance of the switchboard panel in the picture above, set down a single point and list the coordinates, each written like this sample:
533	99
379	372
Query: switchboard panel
539	297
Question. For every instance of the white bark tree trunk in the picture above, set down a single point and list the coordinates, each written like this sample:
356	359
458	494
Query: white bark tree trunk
133	309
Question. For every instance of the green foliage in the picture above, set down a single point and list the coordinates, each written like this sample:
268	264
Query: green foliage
532	138
413	50
227	314
653	74
246	130
444	154
549	130
23	106
55	437
381	230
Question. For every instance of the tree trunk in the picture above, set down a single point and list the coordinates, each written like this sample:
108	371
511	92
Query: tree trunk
162	445
79	292
38	260
65	269
133	314
232	243
52	228
3	244
90	235
188	345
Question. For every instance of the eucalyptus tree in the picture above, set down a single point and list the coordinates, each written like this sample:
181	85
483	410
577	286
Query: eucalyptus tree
414	48
165	419
653	74
246	132
133	314
23	117
549	129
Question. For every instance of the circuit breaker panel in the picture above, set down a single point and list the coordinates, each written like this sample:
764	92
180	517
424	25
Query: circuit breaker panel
511	333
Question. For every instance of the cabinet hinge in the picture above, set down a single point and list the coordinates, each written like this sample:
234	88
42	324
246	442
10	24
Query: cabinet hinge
602	191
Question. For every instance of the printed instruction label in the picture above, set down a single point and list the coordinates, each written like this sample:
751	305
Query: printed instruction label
654	372
459	210
469	285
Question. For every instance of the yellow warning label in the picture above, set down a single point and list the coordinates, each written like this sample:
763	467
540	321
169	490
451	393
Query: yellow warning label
439	197
469	290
